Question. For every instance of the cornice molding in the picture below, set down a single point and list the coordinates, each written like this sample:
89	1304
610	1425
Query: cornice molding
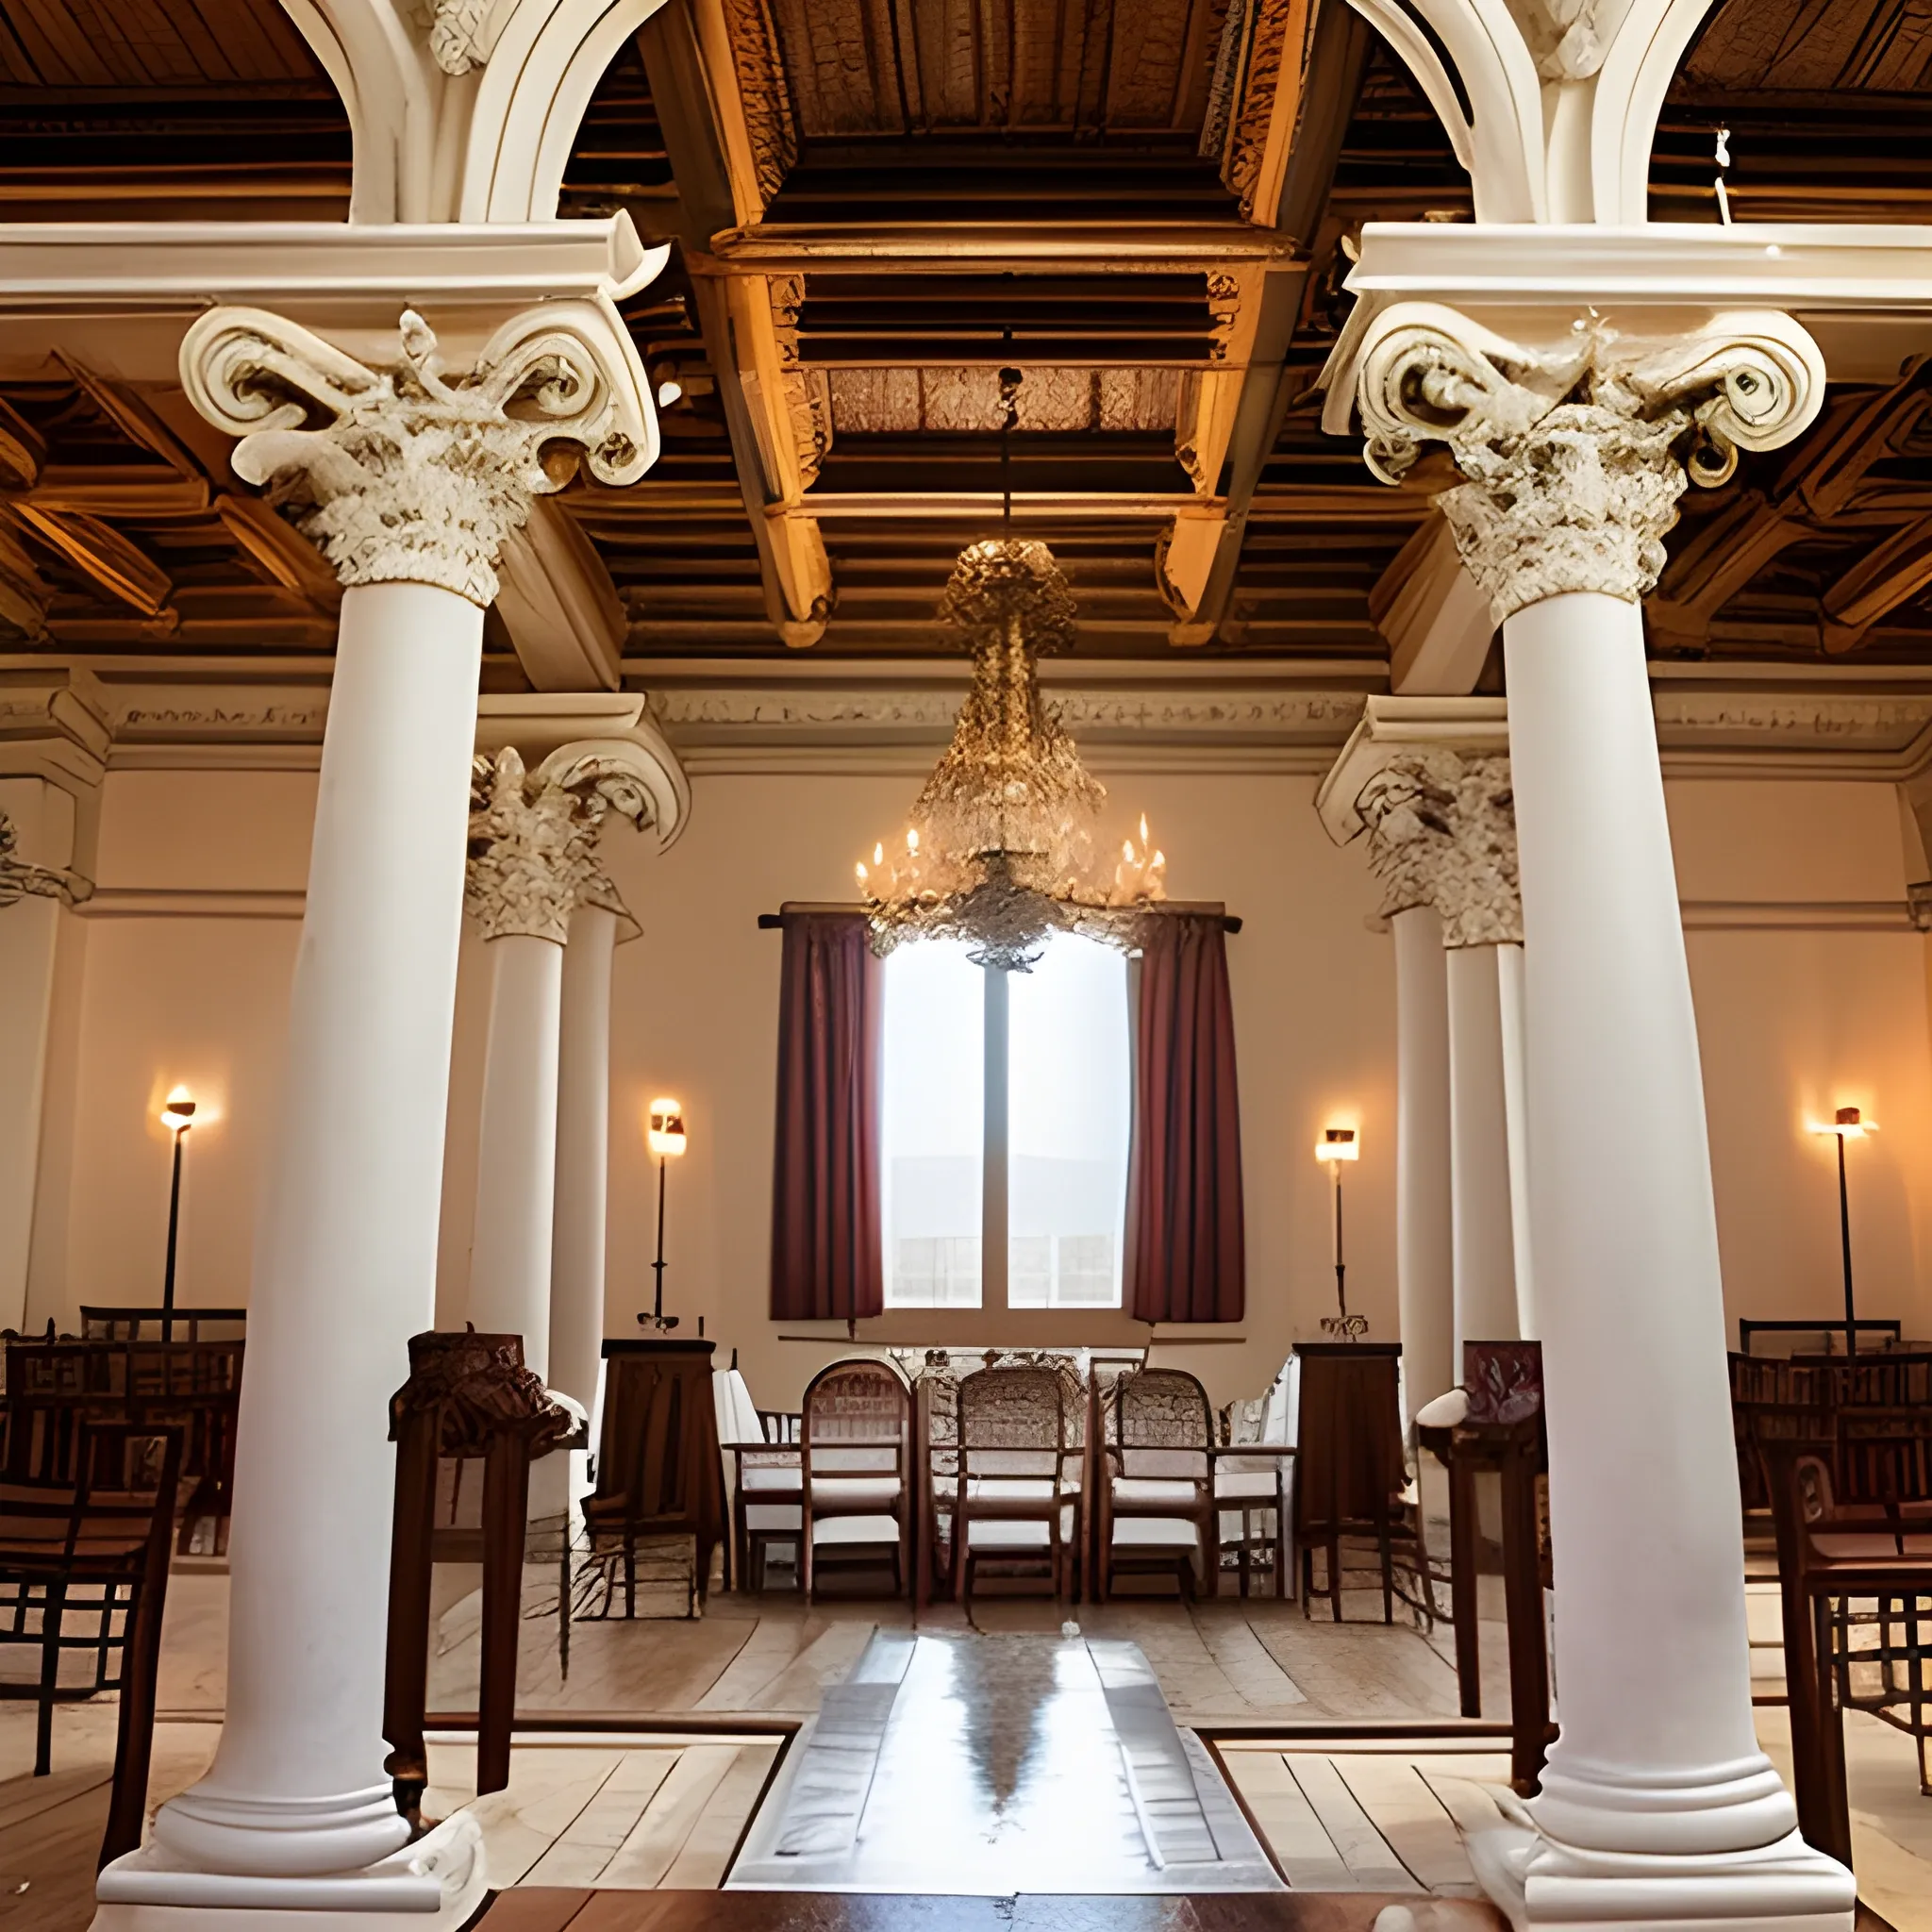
71	724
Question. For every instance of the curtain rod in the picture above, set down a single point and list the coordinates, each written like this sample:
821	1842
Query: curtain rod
770	921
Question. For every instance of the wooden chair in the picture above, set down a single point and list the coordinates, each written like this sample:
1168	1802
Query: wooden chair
768	1496
661	1473
153	1323
53	1387
1012	1502
84	1575
1156	1482
1350	1472
1253	1474
1829	1549
856	1457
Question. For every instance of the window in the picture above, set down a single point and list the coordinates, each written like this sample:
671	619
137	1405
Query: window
1006	1113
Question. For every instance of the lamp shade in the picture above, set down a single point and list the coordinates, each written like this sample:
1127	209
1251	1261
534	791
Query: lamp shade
177	1112
665	1131
1338	1144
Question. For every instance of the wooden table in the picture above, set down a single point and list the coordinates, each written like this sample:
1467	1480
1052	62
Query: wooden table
1515	1451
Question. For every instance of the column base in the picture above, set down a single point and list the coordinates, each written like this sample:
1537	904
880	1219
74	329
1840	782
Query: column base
433	1885
1536	1881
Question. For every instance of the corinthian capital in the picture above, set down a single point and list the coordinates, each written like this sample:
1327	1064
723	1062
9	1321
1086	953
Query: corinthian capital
1442	833
533	838
409	473
1574	455
19	878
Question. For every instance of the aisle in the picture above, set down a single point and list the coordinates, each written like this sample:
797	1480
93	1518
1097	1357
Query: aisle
996	1765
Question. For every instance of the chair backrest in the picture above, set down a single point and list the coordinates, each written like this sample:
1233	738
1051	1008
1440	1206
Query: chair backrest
1884	1455
1786	1339
112	1509
99	1323
857	1419
1349	1463
1162	1424
1012	1422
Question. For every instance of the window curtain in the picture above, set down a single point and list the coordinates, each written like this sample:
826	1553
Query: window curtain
825	1259
1186	1251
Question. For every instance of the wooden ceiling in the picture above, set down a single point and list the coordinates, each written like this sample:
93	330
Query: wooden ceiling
1145	206
165	109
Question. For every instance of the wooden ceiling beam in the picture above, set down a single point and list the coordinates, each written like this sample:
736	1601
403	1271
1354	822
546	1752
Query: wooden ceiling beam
283	554
1054	248
1817	483
1199	557
101	553
1875	586
740	336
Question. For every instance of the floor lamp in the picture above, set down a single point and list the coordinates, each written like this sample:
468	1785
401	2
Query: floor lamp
177	1116
1848	1124
1337	1145
667	1140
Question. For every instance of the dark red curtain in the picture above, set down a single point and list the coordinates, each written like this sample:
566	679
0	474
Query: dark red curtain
1186	1251
826	1259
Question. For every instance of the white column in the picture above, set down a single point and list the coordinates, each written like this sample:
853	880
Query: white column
35	844
516	1159
1657	1806
1479	1151
583	1156
1516	1106
1424	1276
533	869
345	1261
295	1818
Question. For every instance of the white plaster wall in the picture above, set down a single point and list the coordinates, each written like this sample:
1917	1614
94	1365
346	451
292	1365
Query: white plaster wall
1792	1022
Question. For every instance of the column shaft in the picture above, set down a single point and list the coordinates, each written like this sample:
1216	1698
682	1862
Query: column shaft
516	1162
1657	1751
583	1156
345	1259
1516	1106
1424	1279
1479	1151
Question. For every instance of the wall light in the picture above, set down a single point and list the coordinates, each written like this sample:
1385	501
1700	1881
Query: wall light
665	1132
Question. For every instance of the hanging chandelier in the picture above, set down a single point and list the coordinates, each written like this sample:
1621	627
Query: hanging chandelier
1001	848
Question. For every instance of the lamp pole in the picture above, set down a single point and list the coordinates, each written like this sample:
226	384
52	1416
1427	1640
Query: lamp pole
1335	1145
1844	1229
1340	1266
657	1266
665	1135
177	1116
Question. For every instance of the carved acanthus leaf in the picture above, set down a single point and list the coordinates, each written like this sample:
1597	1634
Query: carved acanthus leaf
1575	457
1442	833
763	91
408	474
1562	37
1257	55
455	35
533	841
19	878
808	391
